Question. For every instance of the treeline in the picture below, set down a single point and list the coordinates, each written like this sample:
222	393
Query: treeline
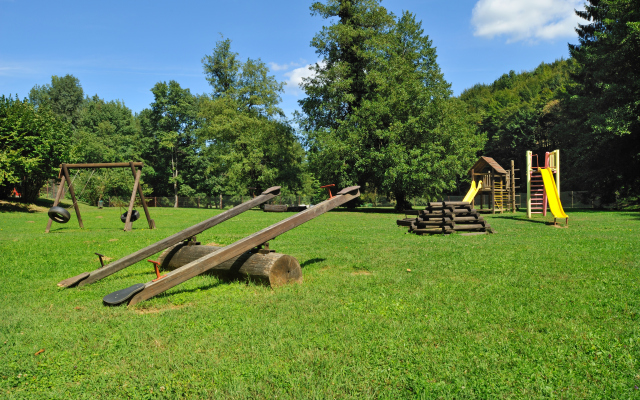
377	113
587	106
225	142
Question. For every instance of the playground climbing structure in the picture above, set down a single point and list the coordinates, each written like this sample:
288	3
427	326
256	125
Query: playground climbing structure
543	191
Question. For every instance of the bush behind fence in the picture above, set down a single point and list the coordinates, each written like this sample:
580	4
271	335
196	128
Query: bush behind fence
571	199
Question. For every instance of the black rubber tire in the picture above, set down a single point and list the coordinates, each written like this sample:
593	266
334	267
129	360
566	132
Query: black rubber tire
59	215
135	215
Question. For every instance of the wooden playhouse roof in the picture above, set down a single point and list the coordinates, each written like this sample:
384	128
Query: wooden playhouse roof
485	162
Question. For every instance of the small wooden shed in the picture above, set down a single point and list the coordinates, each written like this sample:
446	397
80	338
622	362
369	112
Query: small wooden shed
497	184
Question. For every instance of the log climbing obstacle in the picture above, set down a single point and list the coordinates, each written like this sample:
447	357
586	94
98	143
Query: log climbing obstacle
445	218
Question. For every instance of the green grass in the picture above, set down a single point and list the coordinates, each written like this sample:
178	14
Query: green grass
532	311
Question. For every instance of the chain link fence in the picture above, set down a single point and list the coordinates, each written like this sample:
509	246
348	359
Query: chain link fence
570	199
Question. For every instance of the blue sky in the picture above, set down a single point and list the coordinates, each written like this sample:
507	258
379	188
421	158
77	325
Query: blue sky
120	49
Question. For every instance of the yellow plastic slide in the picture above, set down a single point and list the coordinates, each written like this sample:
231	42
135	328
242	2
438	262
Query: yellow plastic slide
473	190
552	193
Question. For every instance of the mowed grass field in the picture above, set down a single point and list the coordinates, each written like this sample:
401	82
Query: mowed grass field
532	311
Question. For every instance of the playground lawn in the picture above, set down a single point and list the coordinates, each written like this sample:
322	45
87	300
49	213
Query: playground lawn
531	311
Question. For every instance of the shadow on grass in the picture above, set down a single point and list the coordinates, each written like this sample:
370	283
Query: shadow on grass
521	219
312	261
193	290
41	205
368	210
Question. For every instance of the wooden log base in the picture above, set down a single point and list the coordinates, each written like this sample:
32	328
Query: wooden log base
445	218
274	269
470	227
405	221
425	224
275	208
432	231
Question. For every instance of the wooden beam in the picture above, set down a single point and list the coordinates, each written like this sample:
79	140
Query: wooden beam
212	260
127	223
152	223
65	171
171	240
103	165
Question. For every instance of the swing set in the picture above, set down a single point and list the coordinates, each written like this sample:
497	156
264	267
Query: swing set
61	215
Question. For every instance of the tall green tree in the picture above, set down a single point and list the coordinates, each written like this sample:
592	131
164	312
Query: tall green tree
64	96
244	137
172	120
378	111
105	131
603	132
33	142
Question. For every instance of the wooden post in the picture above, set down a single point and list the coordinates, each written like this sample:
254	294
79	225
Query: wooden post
528	169
513	187
73	195
56	201
127	223
493	192
152	223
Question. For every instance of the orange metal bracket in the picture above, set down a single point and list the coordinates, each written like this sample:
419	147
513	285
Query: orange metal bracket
329	190
157	265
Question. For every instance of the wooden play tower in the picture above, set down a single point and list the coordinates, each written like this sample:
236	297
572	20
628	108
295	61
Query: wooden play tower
498	185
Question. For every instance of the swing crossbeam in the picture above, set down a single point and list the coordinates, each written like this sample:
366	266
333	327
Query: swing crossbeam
136	170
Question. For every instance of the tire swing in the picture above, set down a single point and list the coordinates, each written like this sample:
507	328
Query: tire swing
134	216
59	214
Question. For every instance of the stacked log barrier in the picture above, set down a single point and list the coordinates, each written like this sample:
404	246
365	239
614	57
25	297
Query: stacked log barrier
445	217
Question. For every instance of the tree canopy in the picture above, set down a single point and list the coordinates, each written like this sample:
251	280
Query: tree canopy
33	142
378	112
603	104
520	111
244	137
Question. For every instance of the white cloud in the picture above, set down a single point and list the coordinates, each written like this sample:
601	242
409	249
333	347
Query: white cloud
282	67
295	76
526	19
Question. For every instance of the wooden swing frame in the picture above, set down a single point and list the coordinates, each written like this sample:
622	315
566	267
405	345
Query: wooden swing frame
136	170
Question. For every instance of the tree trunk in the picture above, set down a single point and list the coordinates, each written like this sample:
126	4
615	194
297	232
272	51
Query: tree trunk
273	269
401	202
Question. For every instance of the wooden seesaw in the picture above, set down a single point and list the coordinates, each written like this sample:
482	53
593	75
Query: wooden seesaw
144	291
86	278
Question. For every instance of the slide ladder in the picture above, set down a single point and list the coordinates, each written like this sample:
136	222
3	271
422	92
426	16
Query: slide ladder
538	196
499	197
